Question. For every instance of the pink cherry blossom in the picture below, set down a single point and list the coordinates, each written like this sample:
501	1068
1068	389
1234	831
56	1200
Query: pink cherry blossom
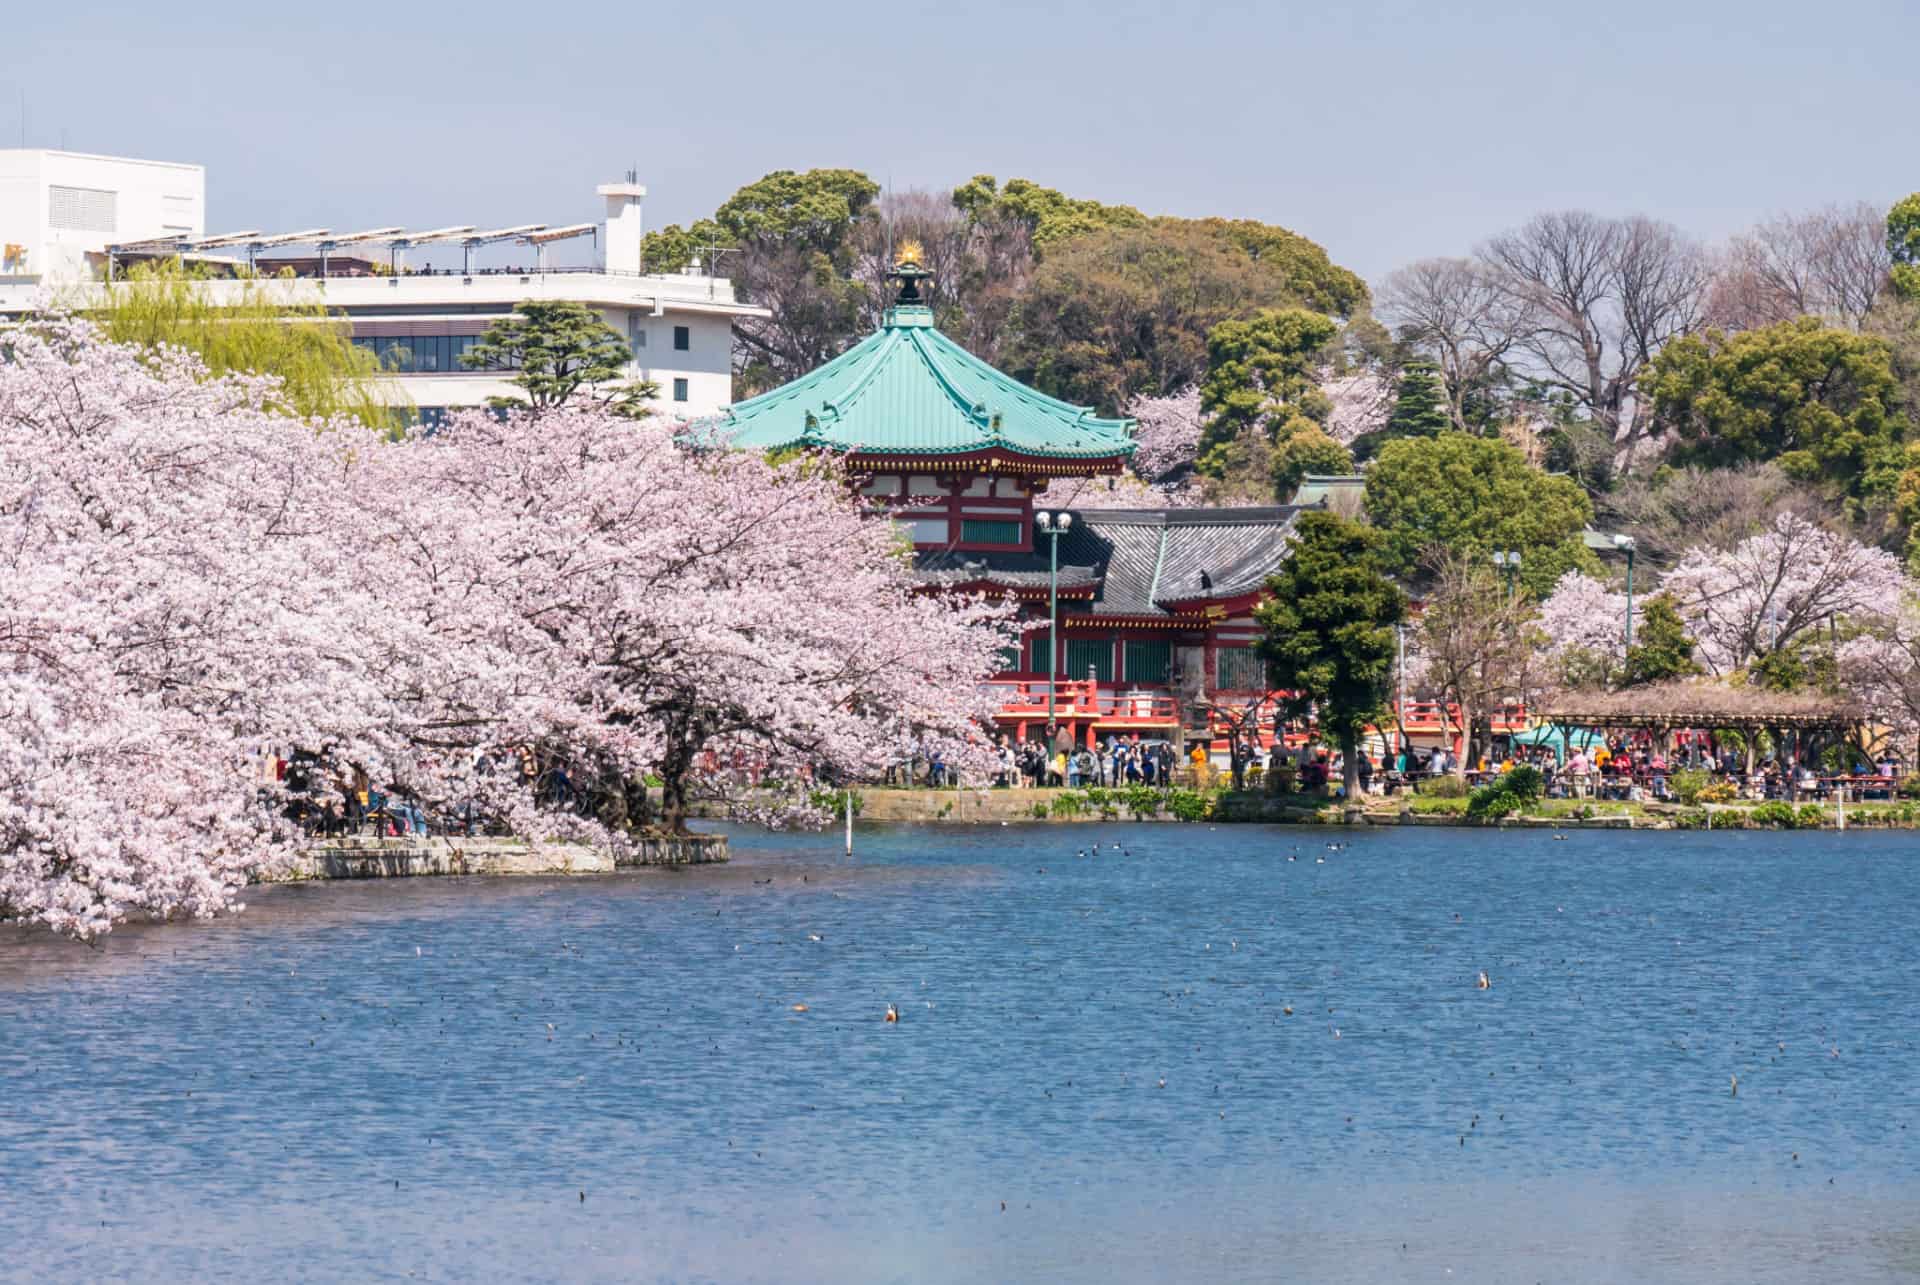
1771	588
192	579
1167	437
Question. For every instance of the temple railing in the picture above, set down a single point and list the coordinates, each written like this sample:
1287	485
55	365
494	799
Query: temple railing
1024	700
1021	700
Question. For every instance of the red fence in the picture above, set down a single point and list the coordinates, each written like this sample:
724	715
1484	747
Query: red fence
1086	703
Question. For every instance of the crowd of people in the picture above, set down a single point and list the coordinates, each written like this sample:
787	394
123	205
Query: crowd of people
1636	767
1115	761
328	798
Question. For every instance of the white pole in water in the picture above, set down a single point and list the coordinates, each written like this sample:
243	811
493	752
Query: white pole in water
849	822
1841	795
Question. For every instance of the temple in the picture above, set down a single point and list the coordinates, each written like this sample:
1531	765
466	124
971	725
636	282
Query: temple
1155	606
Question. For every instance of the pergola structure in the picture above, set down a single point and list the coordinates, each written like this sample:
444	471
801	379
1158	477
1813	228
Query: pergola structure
1667	707
1792	719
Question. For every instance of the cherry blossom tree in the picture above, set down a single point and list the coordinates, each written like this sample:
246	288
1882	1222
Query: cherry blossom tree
1585	624
726	623
1764	594
1361	403
177	597
192	578
1880	665
1168	434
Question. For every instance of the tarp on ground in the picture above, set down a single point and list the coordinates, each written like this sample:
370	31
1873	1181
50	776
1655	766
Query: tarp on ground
1579	738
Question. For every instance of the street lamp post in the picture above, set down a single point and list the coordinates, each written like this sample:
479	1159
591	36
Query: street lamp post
1508	562
1626	545
1053	525
1400	684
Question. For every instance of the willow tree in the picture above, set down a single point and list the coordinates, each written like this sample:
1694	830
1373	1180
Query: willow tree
255	325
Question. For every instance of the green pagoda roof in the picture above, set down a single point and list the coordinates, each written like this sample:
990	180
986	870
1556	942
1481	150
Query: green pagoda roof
908	390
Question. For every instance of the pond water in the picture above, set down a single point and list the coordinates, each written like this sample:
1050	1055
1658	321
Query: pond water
1094	1075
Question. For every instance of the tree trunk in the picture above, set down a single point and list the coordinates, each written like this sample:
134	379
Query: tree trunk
676	765
1465	759
1350	755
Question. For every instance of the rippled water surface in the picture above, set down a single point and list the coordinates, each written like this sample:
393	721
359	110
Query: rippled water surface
1094	1075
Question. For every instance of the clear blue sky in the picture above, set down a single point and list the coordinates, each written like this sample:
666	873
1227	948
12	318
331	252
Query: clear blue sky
1385	129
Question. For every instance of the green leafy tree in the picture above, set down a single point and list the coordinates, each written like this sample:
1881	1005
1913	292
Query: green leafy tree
790	242
1328	631
257	324
1049	216
1903	242
1299	267
1661	647
560	349
1475	495
816	210
674	248
1127	310
1261	374
1307	451
1816	398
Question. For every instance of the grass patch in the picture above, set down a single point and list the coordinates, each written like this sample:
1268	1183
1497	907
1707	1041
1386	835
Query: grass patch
1427	805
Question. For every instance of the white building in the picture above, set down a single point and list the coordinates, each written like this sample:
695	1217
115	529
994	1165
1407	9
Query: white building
59	208
678	326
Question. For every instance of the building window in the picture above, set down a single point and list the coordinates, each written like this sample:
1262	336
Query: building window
1148	662
985	531
1240	670
1083	654
82	209
421	354
925	530
680	390
682	339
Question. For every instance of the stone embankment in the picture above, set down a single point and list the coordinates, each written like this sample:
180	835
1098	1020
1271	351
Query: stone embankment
407	857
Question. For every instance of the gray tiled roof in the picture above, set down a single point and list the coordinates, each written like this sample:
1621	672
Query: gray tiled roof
1015	570
1142	559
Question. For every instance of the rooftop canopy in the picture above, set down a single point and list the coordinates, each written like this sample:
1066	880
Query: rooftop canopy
909	396
1703	705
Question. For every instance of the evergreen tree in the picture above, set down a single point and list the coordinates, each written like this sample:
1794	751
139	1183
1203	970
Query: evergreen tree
1307	451
1420	410
1328	634
558	349
1661	649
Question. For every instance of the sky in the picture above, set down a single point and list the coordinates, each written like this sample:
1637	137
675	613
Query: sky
1386	130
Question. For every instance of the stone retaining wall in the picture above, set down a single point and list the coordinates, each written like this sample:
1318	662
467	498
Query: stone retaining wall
403	858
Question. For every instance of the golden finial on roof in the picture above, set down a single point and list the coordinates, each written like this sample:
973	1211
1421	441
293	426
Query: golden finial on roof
910	254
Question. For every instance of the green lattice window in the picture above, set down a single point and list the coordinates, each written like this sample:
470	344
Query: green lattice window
1148	662
987	531
1240	670
1084	654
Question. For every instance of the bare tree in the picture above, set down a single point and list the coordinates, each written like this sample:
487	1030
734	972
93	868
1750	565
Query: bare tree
1459	312
979	264
1479	644
1830	263
1706	508
1241	715
1603	295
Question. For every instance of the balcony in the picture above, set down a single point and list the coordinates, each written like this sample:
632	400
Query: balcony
1115	707
1021	702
